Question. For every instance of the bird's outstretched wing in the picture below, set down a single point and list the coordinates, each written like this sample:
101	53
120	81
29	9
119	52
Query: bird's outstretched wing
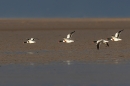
98	45
117	35
70	34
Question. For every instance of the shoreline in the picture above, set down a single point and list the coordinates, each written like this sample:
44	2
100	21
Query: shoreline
63	23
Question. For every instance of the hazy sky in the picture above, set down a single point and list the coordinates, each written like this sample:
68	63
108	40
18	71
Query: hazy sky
64	8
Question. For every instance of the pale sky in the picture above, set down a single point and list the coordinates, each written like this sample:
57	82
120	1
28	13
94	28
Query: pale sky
64	8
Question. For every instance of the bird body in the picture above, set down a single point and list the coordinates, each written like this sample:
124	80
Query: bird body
30	41
113	38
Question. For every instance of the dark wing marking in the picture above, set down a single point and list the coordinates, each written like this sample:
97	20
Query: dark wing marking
94	41
120	31
98	45
107	44
61	41
72	32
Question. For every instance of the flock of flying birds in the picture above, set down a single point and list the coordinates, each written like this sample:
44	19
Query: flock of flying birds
98	42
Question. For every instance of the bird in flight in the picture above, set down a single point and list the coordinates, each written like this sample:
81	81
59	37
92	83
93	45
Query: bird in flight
68	39
99	42
116	36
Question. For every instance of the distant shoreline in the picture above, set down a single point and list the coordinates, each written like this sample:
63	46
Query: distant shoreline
63	23
50	19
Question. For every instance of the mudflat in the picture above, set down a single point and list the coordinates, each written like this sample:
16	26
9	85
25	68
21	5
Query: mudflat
64	23
14	32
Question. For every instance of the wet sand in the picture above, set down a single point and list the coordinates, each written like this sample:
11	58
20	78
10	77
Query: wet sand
14	32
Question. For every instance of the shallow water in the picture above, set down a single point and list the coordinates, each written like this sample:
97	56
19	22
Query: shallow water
89	55
65	73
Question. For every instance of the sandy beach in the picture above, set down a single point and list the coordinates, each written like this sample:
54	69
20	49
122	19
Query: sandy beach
14	32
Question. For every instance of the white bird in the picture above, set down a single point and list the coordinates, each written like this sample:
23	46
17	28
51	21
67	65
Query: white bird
98	43
30	41
68	39
116	37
